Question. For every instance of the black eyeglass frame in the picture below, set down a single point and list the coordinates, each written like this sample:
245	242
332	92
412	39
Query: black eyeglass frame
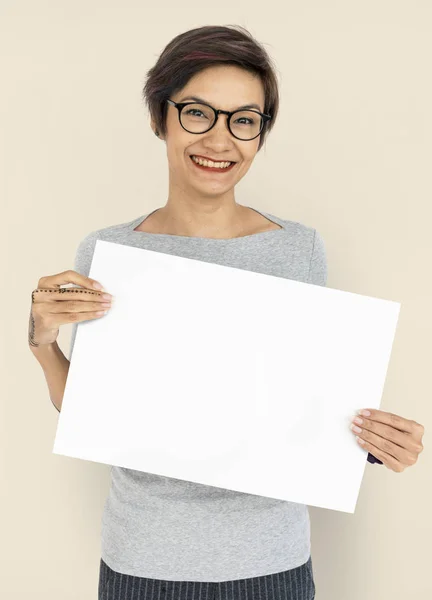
180	105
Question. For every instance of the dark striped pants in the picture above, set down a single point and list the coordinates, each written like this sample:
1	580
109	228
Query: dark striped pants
294	584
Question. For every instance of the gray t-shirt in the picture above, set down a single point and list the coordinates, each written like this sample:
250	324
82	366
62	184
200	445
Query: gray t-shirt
164	528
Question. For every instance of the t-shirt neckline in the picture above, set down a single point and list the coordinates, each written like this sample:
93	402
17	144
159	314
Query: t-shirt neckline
272	218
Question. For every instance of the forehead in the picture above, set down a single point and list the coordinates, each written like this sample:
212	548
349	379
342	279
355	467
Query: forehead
226	87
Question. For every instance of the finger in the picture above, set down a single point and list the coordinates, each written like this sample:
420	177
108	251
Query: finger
387	418
389	461
59	319
63	294
390	433
400	454
69	276
73	306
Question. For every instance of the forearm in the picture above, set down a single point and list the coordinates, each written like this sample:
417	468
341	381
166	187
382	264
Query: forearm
55	366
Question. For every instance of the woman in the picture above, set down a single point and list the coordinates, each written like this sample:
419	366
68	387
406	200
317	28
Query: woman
213	96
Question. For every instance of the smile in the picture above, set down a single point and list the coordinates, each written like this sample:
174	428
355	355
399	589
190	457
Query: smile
219	167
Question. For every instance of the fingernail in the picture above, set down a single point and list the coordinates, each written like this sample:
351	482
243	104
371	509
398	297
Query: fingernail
365	413
97	286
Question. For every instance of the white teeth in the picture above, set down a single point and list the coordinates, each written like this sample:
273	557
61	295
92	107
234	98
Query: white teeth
209	163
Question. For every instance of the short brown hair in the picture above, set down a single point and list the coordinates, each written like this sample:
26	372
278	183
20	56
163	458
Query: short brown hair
203	47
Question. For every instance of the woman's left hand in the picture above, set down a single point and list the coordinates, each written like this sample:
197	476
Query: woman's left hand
395	441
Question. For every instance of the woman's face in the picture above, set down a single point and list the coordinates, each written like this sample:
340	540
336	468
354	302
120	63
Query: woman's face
226	88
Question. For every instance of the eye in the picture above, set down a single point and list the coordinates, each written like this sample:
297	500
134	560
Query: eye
249	121
193	111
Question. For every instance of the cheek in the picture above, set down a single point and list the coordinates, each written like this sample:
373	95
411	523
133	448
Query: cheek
178	148
246	161
176	155
249	153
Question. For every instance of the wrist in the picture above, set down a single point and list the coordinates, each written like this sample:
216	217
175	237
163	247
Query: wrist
42	348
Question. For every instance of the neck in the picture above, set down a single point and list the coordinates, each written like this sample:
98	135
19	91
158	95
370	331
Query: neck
218	219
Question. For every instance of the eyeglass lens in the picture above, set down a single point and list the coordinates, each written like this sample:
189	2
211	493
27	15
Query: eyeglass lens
198	118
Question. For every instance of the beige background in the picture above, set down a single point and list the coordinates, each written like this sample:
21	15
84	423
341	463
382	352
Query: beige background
350	155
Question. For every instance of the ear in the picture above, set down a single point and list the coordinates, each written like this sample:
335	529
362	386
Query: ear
154	129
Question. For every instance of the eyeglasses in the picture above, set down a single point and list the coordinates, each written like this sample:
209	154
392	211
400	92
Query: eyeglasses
200	118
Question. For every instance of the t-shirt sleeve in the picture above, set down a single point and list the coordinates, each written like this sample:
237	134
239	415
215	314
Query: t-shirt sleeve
82	264
318	262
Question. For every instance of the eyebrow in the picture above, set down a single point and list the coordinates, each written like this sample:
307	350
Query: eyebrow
197	99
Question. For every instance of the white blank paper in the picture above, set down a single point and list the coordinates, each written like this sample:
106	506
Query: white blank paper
226	377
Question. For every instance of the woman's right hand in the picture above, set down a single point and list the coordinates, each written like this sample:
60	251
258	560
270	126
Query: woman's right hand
53	306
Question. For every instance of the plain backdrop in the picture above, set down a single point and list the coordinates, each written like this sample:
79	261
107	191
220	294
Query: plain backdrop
350	155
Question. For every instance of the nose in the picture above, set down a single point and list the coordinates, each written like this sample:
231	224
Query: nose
219	136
